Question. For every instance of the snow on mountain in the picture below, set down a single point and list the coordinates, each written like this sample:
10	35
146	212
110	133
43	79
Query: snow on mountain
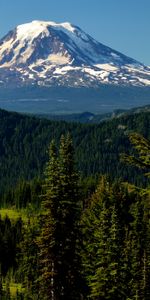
48	54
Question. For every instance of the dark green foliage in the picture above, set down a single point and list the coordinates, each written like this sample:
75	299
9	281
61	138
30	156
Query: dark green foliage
1	285
28	259
23	194
7	291
91	221
83	247
60	262
48	234
142	159
137	251
24	140
10	236
116	236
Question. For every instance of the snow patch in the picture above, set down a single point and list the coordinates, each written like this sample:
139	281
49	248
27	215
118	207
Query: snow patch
107	67
99	74
58	59
65	69
132	68
145	81
31	76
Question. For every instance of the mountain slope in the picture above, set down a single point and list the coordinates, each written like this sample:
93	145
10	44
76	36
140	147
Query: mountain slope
51	54
24	142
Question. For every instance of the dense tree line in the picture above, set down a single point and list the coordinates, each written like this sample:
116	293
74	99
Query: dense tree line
24	142
23	194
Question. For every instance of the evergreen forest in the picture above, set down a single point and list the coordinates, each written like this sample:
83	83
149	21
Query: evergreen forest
74	208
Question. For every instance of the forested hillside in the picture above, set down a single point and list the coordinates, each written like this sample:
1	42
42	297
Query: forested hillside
58	244
24	141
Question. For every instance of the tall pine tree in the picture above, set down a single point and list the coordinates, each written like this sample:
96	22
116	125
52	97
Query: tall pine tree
60	263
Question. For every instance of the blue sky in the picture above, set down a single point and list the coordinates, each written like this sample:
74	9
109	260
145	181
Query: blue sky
123	25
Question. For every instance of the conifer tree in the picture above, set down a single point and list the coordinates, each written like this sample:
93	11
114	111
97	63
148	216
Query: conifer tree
90	225
116	258
100	281
139	237
48	241
142	159
108	281
105	258
69	221
29	259
137	250
146	265
60	221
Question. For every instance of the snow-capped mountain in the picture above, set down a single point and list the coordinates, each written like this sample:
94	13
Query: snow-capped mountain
51	54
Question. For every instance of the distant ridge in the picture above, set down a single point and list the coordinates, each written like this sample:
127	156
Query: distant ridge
87	117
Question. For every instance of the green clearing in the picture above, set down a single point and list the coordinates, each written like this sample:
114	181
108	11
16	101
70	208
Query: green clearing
14	288
13	214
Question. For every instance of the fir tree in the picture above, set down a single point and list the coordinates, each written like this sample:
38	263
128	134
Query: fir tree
100	281
69	222
91	223
29	259
59	236
116	258
137	250
142	157
47	241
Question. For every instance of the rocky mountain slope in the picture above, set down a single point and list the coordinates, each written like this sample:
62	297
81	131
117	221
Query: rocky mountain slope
50	54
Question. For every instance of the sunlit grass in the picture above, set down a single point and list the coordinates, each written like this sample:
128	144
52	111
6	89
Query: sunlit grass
25	214
13	214
14	288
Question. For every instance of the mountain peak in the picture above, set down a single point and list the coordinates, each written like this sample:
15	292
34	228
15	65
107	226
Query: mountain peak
49	53
36	27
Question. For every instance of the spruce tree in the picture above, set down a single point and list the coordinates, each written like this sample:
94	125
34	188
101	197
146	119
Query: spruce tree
137	251
106	255
100	280
116	270
60	225
142	157
91	223
47	241
69	222
29	259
